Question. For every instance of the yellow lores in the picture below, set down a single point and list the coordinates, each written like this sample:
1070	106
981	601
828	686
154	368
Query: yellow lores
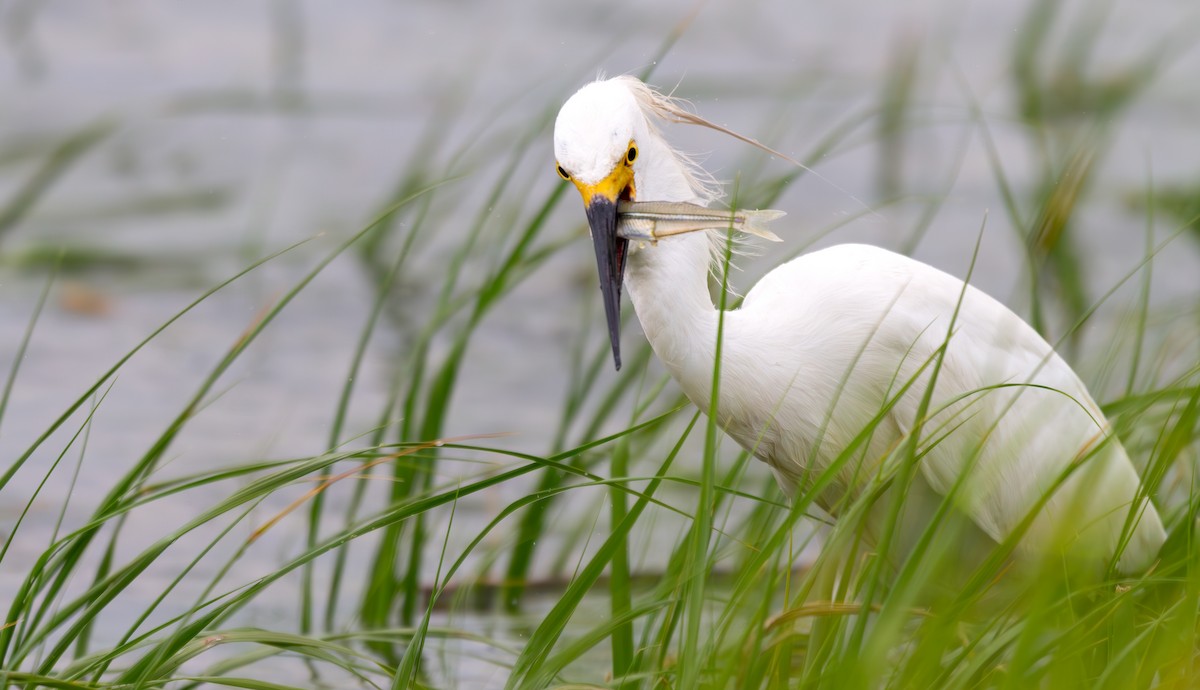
617	186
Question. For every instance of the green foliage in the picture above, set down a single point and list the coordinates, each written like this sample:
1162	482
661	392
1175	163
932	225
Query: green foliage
733	599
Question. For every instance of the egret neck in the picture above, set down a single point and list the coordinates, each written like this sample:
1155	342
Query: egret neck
668	281
668	285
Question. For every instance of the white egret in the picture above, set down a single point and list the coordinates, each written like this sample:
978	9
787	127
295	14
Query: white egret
822	343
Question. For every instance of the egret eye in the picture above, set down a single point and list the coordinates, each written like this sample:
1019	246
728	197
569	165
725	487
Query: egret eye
562	172
631	154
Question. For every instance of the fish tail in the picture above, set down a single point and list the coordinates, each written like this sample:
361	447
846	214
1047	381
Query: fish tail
755	223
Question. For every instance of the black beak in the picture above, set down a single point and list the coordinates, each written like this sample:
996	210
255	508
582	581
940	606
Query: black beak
610	259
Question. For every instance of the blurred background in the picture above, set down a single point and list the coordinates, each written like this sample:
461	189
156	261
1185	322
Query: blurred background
150	150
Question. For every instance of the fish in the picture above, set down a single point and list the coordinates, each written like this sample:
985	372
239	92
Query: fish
654	220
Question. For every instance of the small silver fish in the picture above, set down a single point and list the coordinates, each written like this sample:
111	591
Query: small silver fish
654	220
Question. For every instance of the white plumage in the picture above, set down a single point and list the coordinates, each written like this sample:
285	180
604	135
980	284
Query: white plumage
823	342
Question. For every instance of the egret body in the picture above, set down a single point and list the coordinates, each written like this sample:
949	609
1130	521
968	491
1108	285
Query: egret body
824	346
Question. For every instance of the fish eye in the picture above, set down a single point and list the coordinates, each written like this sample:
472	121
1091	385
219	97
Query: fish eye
562	172
631	154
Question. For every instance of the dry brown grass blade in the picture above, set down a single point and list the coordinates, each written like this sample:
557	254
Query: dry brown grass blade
329	481
819	609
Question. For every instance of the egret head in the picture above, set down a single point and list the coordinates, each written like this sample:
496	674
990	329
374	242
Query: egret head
596	146
606	143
